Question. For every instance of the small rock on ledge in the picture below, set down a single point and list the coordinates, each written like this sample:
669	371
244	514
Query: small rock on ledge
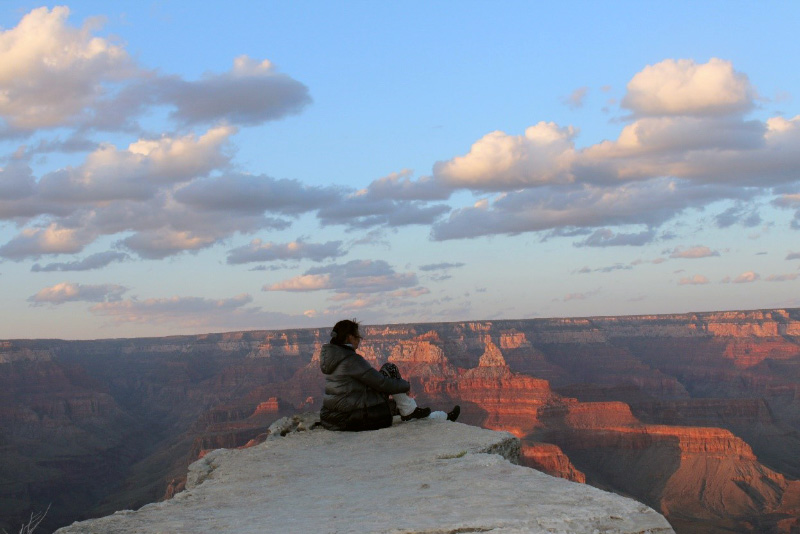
423	476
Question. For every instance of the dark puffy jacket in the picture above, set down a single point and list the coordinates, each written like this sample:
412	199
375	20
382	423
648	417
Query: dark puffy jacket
355	393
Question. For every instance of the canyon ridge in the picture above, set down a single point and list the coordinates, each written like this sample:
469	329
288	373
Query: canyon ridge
696	415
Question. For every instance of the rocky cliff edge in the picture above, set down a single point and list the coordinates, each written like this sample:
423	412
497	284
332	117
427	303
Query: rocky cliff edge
423	476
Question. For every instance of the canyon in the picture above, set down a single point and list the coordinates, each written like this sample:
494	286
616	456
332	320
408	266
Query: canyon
695	415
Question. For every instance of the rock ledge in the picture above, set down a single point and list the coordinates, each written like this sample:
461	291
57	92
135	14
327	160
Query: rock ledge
424	476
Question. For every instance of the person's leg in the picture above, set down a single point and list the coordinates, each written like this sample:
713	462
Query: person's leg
405	404
452	415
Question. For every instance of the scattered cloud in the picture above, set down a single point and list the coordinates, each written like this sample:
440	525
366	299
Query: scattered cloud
354	277
793	256
782	277
738	214
269	267
695	252
255	194
604	237
400	186
579	296
197	312
607	269
53	239
258	251
94	261
54	74
253	92
576	98
695	280
306	282
163	194
71	292
790	201
746	277
615	267
440	266
362	209
649	203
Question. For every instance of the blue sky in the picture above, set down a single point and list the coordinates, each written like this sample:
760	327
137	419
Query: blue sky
186	167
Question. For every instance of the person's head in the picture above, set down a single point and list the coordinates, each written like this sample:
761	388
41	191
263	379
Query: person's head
346	332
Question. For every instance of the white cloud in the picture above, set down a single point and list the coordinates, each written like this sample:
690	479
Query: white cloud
693	252
782	277
648	138
53	239
604	237
440	266
155	309
71	292
695	280
746	277
165	242
248	193
306	282
157	189
51	72
95	261
740	214
197	313
688	147
683	87
258	250
16	182
576	98
649	203
354	277
791	201
251	93
400	186
364	210
580	296
498	161
54	74
139	171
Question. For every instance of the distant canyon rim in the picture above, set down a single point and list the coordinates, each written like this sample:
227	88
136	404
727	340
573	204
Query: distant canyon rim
696	415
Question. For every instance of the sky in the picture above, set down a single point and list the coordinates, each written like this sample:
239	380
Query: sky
180	167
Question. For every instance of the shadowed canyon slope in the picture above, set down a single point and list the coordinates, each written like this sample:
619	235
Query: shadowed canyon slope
696	415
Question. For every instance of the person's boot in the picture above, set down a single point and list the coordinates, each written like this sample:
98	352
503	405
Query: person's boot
418	413
453	414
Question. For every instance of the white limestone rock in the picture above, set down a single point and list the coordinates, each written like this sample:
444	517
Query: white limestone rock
423	476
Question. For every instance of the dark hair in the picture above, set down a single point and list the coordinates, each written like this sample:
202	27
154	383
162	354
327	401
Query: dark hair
342	329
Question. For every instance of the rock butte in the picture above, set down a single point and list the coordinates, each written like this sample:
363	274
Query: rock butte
423	476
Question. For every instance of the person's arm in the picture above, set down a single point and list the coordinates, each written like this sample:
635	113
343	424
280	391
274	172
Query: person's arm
361	370
375	380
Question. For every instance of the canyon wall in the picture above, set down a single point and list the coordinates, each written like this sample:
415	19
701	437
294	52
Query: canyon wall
696	415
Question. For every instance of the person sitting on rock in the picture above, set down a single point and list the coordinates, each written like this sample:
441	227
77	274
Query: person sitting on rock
408	407
356	394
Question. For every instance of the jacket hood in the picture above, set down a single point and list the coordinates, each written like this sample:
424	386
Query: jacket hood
332	355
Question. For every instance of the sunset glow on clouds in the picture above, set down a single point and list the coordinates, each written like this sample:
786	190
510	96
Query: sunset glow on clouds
280	182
